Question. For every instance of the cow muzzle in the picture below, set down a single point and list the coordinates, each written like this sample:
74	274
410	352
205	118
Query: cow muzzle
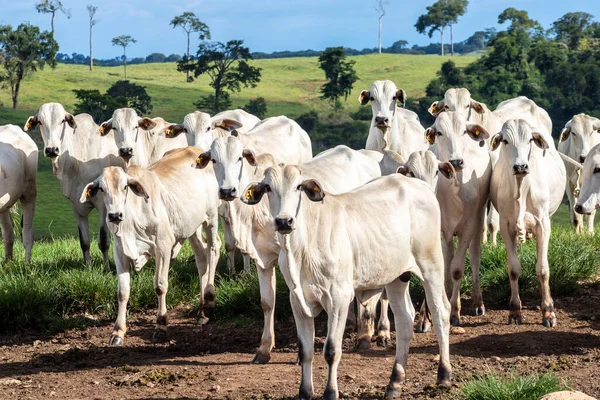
227	194
580	210
115	218
51	152
382	122
284	225
126	153
458	164
520	169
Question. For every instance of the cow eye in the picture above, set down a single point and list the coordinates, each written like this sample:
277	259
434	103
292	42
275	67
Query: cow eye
467	106
446	107
437	173
505	141
213	160
372	98
438	133
410	175
240	159
208	129
597	170
102	190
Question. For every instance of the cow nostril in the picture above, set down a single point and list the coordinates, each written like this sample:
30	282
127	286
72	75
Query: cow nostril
290	222
582	159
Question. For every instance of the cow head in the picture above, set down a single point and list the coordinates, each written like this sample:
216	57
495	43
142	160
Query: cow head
126	124
583	132
114	184
285	187
589	197
234	166
55	123
200	129
519	142
384	98
425	166
459	100
452	134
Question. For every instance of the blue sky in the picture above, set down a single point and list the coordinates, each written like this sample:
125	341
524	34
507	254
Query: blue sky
265	25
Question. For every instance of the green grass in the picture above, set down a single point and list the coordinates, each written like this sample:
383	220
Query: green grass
494	387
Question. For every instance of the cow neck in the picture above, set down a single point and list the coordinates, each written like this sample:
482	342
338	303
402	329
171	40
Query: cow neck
144	148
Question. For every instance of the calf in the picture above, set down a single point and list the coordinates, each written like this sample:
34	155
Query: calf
462	201
580	134
334	245
526	189
152	210
589	199
18	168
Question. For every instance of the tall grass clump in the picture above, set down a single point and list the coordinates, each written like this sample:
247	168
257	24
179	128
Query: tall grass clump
494	387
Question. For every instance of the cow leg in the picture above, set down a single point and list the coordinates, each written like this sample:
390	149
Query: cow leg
542	270
201	257
161	286
28	211
83	227
424	319
457	270
448	250
351	319
589	219
475	259
383	327
103	237
8	234
514	271
493	222
332	350
404	316
122	264
229	245
266	279
576	219
367	310
214	245
305	326
247	262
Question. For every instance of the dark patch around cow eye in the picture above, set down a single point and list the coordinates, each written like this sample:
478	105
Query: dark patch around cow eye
597	170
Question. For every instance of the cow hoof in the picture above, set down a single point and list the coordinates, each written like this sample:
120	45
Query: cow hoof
391	393
549	322
383	341
202	320
454	320
446	383
330	394
115	340
423	327
479	310
159	335
261	358
363	344
516	319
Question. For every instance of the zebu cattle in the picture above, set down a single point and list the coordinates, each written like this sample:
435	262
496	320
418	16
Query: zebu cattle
336	245
18	170
589	199
152	210
78	156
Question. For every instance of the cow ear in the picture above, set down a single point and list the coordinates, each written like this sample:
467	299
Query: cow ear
254	193
227	124
202	160
430	134
496	140
364	97
31	124
596	124
477	133
69	119
402	169
250	157
436	108
89	191
137	188
447	170
312	189
172	131
146	124
477	106
105	127
401	96
539	140
564	135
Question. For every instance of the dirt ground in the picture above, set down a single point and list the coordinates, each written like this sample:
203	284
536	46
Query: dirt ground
212	362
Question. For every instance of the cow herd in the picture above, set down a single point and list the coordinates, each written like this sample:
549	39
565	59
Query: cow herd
345	224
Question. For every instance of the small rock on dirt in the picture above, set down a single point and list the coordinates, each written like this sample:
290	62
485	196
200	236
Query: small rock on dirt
495	359
457	330
436	358
9	382
215	388
567	395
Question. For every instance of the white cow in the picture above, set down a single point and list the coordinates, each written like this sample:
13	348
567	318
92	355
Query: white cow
152	210
589	199
237	160
523	108
462	201
138	139
459	100
18	168
392	128
580	134
200	130
526	189
78	156
364	240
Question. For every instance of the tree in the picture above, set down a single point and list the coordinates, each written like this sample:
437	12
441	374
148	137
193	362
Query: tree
519	20
156	58
99	106
257	106
135	96
123	41
227	66
572	27
339	72
52	7
435	20
397	46
380	8
91	12
454	9
22	52
190	23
